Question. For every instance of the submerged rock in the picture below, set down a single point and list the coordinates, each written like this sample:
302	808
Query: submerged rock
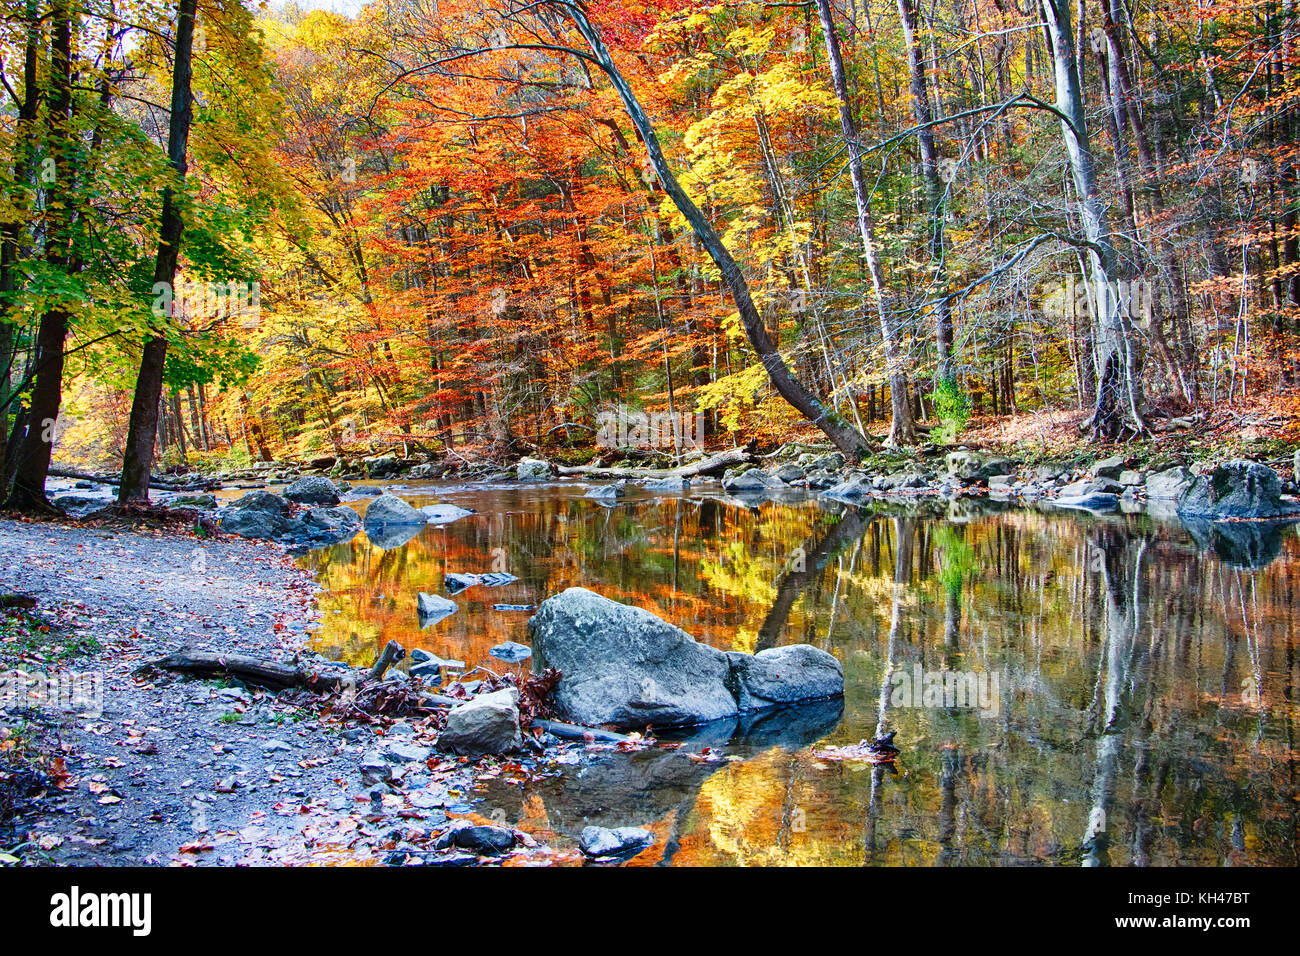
488	724
621	841
444	514
605	492
512	652
624	666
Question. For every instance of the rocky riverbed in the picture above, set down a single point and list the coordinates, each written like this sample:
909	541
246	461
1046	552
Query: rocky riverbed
145	766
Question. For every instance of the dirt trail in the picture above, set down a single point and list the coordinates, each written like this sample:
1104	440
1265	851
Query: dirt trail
168	762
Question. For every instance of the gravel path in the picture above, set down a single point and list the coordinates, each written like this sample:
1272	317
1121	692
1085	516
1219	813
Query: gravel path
169	762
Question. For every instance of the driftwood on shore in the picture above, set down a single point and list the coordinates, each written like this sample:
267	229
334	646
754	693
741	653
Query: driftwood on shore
254	670
577	732
164	484
708	465
277	675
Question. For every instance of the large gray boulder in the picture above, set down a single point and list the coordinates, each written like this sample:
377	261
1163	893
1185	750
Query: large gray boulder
1236	489
784	675
330	525
533	469
488	724
1169	485
391	510
755	479
624	666
313	490
256	524
261	501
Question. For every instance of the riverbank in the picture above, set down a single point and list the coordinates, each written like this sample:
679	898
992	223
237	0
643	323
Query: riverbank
159	770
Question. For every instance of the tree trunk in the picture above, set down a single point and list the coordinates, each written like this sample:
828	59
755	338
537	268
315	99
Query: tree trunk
846	438
32	462
137	461
902	429
1118	396
935	191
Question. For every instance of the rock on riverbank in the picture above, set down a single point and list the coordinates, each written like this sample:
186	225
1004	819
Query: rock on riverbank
624	666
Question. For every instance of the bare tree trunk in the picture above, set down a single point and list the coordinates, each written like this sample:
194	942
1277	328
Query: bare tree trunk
1117	406
902	430
934	189
137	462
845	437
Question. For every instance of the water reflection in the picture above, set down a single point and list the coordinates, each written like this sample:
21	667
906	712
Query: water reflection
1146	673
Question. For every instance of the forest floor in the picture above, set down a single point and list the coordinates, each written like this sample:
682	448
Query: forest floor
177	771
1262	428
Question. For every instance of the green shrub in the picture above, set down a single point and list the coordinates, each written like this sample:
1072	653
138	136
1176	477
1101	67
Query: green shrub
952	408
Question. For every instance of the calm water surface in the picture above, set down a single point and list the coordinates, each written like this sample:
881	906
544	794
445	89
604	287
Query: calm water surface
1146	708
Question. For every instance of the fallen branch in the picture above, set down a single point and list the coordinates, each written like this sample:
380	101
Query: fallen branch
711	464
253	670
575	732
391	654
163	484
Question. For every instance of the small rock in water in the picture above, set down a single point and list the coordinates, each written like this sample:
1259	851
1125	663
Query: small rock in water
513	607
511	652
485	840
433	608
602	842
455	583
420	656
444	513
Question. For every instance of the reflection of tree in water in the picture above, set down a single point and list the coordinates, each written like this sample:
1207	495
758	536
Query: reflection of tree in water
1123	679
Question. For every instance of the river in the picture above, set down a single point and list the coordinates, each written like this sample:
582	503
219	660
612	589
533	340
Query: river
1137	683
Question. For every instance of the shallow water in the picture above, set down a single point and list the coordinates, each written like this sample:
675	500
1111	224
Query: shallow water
1144	711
